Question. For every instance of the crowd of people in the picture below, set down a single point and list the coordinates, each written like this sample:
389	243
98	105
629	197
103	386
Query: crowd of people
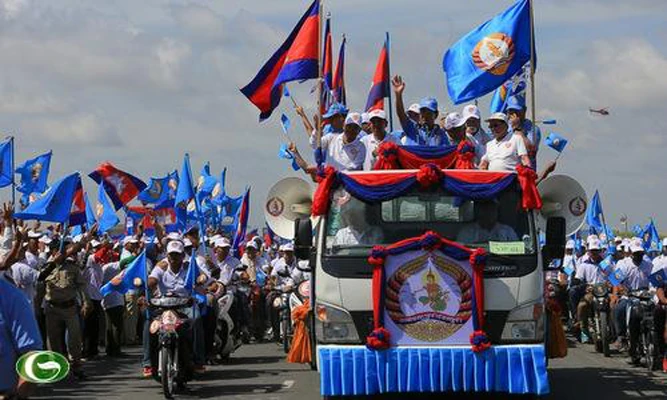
51	297
627	259
350	140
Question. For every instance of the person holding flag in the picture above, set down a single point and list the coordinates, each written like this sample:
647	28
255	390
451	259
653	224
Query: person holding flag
519	124
425	132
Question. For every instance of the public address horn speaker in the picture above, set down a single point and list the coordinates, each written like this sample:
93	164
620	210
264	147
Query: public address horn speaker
289	199
562	196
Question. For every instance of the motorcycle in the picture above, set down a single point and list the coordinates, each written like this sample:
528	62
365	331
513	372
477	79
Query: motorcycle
227	339
602	335
289	300
646	348
173	358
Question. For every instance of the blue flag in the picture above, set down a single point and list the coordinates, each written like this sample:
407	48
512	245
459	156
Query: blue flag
607	263
490	55
638	231
105	212
617	277
184	193
124	281
594	213
651	237
34	174
568	268
287	155
556	142
90	214
206	183
55	204
191	279
658	278
6	163
285	123
513	87
160	191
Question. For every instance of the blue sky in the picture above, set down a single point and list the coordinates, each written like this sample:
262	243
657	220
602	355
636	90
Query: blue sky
139	83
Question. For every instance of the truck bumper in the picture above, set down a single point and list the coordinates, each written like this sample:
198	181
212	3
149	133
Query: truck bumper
356	370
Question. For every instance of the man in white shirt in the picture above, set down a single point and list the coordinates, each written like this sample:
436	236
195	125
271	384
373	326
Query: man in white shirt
506	150
344	151
379	135
473	120
94	277
486	228
589	273
114	308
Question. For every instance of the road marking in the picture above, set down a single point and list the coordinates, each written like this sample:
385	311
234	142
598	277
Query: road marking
288	384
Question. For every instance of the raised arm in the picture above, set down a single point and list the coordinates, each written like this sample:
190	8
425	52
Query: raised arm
399	87
304	119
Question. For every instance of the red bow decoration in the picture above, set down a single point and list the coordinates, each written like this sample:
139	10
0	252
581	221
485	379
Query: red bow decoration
321	197
378	339
479	341
531	199
387	156
428	175
465	154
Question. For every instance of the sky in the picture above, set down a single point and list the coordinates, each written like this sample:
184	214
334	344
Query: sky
139	83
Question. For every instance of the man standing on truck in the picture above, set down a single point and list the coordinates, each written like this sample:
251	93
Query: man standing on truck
506	150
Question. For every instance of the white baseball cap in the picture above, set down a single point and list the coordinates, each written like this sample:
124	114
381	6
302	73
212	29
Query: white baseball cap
95	243
175	246
174	236
129	239
497	117
471	111
365	118
377	114
252	244
288	247
353	119
187	242
569	245
414	108
34	235
222	242
454	120
636	245
594	244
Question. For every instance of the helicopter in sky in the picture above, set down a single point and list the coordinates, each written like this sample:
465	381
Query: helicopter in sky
601	111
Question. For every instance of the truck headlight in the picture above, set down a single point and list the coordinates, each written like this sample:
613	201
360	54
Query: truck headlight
334	325
525	323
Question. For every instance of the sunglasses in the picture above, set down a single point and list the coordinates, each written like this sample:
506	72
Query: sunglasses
494	126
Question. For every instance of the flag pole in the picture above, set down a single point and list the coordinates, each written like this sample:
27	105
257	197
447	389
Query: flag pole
532	65
391	113
13	177
320	80
604	223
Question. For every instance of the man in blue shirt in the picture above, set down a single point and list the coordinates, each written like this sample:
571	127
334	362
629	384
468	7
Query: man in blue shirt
531	134
19	334
426	132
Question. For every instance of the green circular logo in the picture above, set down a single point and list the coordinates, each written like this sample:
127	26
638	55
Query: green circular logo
42	367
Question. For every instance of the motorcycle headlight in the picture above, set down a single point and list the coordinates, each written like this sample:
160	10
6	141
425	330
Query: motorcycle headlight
600	290
334	325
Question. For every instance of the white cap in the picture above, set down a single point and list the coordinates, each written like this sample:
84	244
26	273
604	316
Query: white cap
175	246
365	118
129	239
187	242
377	114
497	117
569	245
77	238
594	244
174	236
95	243
45	239
288	247
215	238
34	235
618	240
636	246
222	242
592	237
471	111
414	108
353	119
620	247
252	244
454	120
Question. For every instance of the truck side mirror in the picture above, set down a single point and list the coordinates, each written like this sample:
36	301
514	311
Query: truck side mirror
554	246
303	238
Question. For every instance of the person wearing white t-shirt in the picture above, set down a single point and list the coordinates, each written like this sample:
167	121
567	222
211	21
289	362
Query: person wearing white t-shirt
344	151
506	150
378	135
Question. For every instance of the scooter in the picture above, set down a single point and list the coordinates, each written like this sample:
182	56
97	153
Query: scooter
173	359
290	300
226	339
603	335
646	347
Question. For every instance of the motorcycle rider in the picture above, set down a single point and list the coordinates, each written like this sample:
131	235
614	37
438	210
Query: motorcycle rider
281	279
660	311
169	278
636	271
588	273
228	267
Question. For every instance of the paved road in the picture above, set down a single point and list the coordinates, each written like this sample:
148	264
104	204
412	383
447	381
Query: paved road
259	371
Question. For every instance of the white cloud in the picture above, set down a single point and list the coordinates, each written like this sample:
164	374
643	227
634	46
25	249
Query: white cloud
77	130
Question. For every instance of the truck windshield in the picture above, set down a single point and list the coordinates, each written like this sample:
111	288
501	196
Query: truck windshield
499	226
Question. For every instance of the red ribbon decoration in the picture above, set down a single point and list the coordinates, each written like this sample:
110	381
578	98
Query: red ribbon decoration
530	199
393	156
387	156
428	175
465	154
321	197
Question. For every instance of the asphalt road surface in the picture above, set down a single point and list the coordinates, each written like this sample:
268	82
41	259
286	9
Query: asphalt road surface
259	371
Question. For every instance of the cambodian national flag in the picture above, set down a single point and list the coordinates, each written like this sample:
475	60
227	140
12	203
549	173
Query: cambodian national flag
242	222
297	59
380	87
338	88
327	68
121	186
77	214
490	55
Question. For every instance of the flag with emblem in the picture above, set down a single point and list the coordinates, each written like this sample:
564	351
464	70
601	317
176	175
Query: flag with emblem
121	186
513	87
617	277
206	182
651	238
160	191
488	56
380	86
606	264
55	204
297	59
658	278
34	174
104	211
6	163
135	272
556	142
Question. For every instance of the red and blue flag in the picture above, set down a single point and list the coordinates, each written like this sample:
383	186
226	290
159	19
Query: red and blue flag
121	186
380	87
296	60
327	69
338	84
242	222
